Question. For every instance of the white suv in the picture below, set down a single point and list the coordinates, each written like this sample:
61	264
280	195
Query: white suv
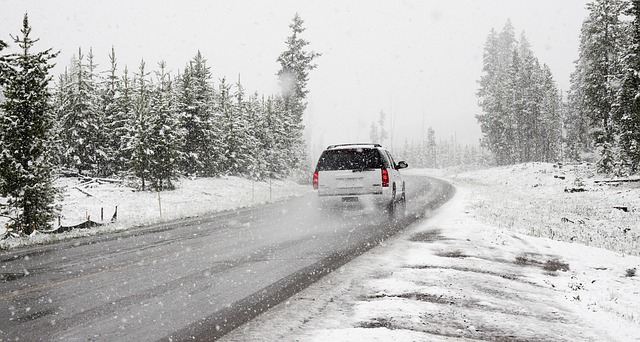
360	173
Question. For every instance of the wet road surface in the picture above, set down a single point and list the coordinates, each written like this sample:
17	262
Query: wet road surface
191	279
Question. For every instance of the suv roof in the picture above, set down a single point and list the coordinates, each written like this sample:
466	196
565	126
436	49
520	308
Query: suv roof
354	145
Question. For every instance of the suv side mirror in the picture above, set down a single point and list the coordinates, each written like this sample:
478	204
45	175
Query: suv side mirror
402	165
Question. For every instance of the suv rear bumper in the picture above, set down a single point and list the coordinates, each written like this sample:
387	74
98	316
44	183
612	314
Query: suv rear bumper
375	199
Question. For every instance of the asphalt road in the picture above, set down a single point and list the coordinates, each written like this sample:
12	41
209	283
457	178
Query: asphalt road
190	279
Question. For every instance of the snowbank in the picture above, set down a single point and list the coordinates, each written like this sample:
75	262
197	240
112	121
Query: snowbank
97	200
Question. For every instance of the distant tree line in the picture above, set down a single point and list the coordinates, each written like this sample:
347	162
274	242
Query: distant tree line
429	152
147	124
437	154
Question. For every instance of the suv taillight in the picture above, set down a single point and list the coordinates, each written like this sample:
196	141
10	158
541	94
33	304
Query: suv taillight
315	180
385	178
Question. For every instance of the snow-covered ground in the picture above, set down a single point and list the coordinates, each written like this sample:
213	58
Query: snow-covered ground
472	272
97	200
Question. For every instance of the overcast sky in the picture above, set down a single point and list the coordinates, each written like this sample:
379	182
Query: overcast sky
418	61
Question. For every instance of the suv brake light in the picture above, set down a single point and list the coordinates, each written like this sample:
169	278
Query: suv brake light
385	178
315	180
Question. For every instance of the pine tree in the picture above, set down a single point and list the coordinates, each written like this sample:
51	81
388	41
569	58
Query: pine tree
237	129
139	136
600	49
576	121
520	103
60	104
431	149
295	65
275	138
81	119
120	125
228	127
255	131
627	115
201	148
266	133
164	135
4	67
496	94
26	122
114	124
550	130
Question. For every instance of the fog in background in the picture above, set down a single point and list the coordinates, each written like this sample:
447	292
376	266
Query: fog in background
418	61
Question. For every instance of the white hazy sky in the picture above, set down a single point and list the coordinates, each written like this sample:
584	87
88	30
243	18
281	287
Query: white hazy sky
418	60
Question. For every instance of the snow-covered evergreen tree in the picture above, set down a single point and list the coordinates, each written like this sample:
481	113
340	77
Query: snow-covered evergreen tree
254	162
265	132
494	94
430	149
229	127
139	136
26	122
120	125
115	122
377	133
576	121
601	50
60	104
81	119
4	67
236	128
201	148
627	114
520	102
164	138
275	138
550	131
295	64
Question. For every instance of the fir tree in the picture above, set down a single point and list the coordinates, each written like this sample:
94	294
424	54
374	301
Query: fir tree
576	121
251	112
81	119
139	136
275	138
164	135
520	103
601	51
4	67
295	64
115	122
228	128
496	95
430	149
266	132
627	114
236	129
196	105
26	122
120	125
550	132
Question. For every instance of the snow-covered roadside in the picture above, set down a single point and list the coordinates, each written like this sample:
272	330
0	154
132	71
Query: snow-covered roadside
562	203
467	274
193	197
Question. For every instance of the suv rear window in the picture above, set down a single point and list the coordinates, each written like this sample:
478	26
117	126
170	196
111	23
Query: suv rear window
350	159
